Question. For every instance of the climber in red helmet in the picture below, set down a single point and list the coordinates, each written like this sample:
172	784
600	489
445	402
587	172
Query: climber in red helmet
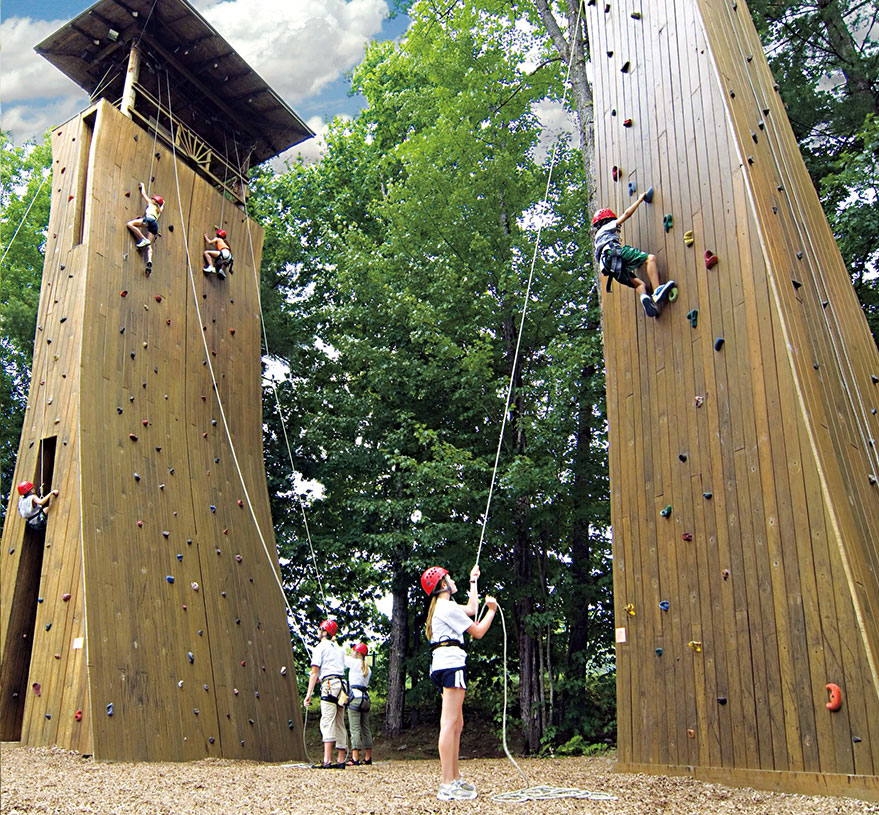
620	262
218	259
149	221
446	624
33	508
328	668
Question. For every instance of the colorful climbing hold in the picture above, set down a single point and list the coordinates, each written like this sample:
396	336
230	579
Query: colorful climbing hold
633	188
194	585
666	513
165	533
711	260
136	477
140	523
659	652
629	608
284	671
693	317
668	222
695	645
38	691
687	536
109	708
78	715
689	238
158	298
707	495
699	401
65	597
724	573
648	196
627	122
718	343
664	605
835	702
238	558
190	656
213	508
616	173
132	437
626	67
170	578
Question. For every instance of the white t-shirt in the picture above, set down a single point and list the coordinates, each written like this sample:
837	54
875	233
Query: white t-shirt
329	657
27	506
605	235
449	623
355	675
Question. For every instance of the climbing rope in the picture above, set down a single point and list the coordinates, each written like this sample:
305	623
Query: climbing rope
265	339
525	301
216	389
24	217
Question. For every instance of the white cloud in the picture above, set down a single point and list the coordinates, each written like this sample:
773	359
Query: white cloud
556	122
309	151
298	46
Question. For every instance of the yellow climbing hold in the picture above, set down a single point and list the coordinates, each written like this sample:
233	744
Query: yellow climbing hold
696	645
689	239
630	609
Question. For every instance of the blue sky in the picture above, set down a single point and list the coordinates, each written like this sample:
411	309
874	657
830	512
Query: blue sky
302	48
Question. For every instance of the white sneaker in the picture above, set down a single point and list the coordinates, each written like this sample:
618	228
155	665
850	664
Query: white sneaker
209	270
143	243
452	792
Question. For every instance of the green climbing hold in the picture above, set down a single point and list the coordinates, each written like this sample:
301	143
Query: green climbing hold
666	512
668	222
693	317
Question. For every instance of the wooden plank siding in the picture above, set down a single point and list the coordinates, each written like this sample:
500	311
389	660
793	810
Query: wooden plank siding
762	447
150	489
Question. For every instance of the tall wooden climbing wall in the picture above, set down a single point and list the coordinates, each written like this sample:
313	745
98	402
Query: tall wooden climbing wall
148	623
743	422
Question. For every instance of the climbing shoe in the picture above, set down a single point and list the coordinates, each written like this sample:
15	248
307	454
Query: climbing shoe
221	274
209	270
650	308
662	291
143	243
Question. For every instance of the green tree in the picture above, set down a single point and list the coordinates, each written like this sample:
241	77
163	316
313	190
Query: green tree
24	172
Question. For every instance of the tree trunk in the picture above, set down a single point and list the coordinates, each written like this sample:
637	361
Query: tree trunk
397	660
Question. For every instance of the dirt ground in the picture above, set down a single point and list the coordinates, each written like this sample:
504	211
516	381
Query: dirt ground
51	780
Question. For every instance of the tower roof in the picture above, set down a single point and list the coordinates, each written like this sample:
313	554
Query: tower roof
212	89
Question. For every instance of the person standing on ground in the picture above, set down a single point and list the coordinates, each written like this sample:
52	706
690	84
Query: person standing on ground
328	668
358	705
446	624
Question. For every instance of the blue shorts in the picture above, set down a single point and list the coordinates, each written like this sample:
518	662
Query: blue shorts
450	678
152	225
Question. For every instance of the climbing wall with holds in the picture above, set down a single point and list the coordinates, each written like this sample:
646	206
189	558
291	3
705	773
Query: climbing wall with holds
743	420
160	630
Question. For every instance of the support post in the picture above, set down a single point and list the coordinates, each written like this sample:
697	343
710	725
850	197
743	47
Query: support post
131	76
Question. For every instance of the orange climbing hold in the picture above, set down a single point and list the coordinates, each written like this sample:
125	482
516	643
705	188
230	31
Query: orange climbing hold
835	702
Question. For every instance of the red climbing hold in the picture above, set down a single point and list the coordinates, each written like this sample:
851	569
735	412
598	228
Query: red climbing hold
835	702
167	322
243	662
615	173
123	293
145	422
132	437
38	691
232	331
69	198
711	260
225	531
204	435
240	503
140	523
687	536
158	298
65	597
78	715
627	122
203	398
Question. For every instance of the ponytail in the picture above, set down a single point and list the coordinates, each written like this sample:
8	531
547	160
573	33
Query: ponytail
364	666
428	626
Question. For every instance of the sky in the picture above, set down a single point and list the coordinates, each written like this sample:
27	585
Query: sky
302	48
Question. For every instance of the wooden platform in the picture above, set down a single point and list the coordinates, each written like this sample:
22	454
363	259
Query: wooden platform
154	609
755	425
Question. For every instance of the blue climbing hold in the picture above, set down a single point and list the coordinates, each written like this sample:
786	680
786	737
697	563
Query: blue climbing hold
663	604
648	196
169	578
213	508
180	557
110	709
633	188
666	513
718	343
190	656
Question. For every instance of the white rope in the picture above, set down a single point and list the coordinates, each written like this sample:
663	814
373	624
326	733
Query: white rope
24	217
262	321
525	303
214	381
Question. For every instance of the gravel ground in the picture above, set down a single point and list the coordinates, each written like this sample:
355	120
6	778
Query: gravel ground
50	780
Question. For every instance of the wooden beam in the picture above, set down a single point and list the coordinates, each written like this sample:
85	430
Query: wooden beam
131	77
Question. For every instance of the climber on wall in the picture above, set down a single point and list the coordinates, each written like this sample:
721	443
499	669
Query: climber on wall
219	258
620	262
149	222
33	508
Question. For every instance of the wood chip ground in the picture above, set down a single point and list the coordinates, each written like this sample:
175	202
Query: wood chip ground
51	780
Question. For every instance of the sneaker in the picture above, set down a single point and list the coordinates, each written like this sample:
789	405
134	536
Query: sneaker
650	308
209	270
660	292
452	792
367	761
143	243
221	274
465	785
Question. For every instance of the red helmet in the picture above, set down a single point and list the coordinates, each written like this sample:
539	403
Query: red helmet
432	577
159	200
361	649
330	626
25	487
221	233
603	215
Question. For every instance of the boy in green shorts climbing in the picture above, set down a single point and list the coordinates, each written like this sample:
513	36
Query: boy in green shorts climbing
620	262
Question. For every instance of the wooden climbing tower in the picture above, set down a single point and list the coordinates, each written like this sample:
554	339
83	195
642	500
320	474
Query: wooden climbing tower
743	422
147	623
